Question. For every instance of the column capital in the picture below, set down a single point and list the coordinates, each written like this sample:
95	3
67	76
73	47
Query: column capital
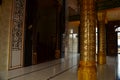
102	15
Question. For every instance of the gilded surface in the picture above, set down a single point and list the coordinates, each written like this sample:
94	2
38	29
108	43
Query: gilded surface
87	68
87	30
101	58
102	38
87	71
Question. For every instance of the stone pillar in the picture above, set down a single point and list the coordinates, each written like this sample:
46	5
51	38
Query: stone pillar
34	45
66	28
35	34
101	58
87	66
57	50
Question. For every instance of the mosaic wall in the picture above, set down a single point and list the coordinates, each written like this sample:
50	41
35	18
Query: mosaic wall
17	33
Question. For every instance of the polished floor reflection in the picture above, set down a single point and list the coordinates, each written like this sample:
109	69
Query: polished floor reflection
65	69
118	68
107	71
48	71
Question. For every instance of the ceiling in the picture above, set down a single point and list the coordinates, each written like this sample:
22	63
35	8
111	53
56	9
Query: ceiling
113	14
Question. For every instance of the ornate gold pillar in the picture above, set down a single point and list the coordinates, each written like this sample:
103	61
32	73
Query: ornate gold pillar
87	66
101	58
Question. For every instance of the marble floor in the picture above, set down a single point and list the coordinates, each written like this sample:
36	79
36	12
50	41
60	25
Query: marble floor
65	69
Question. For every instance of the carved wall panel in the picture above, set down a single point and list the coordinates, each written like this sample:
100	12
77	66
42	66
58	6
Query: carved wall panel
17	34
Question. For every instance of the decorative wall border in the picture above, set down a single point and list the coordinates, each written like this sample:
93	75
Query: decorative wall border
17	32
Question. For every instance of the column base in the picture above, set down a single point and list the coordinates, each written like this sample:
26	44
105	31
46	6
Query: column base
87	71
57	53
101	59
34	58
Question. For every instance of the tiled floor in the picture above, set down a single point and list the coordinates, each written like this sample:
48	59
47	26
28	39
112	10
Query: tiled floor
65	69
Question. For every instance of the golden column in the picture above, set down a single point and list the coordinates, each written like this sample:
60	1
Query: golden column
101	58
87	67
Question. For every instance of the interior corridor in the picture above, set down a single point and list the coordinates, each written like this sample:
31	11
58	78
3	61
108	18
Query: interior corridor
56	40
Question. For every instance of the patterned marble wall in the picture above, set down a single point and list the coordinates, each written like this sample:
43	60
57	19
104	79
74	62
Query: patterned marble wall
5	13
17	34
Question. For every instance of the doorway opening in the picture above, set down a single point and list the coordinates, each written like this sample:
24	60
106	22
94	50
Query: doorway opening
73	42
118	37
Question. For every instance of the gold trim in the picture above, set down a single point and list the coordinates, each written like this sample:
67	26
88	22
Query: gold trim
101	59
9	55
11	24
87	71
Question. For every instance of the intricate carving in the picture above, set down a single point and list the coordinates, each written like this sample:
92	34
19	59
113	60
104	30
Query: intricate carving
87	30
17	33
17	26
87	68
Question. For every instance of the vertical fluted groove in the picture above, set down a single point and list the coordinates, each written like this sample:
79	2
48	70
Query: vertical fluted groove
102	38
87	30
87	68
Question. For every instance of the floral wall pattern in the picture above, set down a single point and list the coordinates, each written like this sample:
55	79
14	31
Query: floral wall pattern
17	33
18	17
